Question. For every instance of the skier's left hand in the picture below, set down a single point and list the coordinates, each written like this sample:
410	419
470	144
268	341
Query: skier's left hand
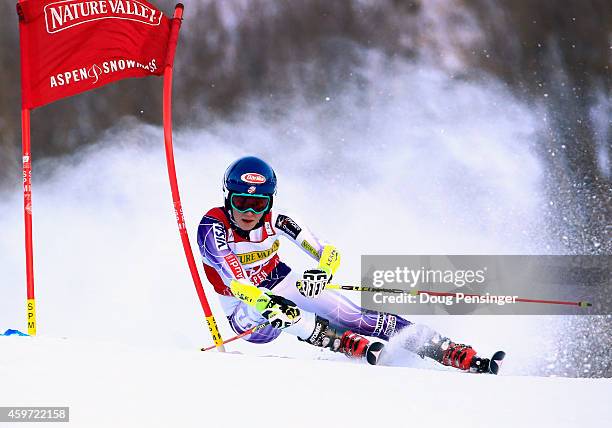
313	283
279	311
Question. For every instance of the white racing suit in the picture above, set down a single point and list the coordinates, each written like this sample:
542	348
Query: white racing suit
252	259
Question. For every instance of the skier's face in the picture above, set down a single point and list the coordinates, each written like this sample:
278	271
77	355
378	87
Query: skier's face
247	220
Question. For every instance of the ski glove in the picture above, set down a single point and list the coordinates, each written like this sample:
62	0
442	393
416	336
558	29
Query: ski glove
280	312
313	283
314	280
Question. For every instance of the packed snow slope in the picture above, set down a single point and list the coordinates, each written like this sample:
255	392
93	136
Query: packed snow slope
108	384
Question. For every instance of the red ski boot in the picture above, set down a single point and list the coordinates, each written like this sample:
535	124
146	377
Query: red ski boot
350	344
462	357
458	355
353	345
356	346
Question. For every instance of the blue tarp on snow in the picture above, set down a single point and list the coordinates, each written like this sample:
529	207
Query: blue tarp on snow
11	332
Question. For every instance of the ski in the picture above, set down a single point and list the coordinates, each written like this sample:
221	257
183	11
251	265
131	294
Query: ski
373	353
487	365
496	361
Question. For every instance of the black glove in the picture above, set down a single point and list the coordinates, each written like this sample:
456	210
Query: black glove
313	283
280	312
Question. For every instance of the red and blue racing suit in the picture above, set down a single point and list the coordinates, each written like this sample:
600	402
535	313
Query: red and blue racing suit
252	258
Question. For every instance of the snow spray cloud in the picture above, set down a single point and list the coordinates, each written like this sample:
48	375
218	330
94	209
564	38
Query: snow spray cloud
413	161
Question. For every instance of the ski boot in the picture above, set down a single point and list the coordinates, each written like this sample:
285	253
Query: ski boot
462	357
348	343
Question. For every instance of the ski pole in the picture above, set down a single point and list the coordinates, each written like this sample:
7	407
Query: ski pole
366	289
244	333
439	293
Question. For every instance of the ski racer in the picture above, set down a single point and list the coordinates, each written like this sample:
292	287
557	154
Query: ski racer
239	244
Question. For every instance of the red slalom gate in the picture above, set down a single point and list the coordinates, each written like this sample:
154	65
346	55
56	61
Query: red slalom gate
176	198
64	54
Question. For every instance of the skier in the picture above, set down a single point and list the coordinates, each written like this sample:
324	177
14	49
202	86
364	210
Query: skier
239	243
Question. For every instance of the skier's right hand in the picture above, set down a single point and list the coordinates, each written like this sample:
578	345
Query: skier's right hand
313	283
280	312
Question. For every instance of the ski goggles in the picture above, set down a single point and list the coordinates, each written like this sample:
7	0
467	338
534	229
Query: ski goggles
243	202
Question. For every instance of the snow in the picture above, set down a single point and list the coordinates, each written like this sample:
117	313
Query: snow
112	384
112	279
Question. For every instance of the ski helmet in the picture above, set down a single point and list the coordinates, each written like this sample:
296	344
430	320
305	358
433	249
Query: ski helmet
249	176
